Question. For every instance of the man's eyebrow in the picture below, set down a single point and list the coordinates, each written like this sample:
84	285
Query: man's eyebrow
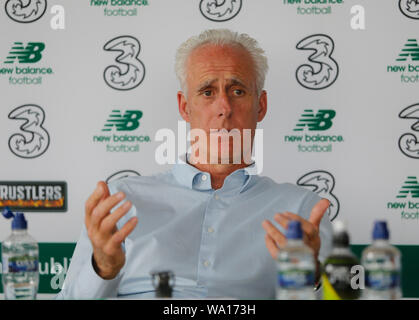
237	82
231	82
206	84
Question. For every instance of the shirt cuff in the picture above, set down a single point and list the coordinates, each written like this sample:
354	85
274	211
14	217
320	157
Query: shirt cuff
92	286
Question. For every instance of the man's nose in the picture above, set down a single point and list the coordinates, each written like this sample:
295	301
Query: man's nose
224	106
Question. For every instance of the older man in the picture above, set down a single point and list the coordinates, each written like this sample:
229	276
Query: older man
207	221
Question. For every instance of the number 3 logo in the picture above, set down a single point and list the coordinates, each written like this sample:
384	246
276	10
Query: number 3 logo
32	140
25	11
130	71
323	70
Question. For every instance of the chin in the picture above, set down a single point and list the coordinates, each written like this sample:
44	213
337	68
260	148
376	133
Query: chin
226	156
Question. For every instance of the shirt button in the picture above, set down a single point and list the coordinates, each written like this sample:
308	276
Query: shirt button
216	197
210	230
206	263
204	177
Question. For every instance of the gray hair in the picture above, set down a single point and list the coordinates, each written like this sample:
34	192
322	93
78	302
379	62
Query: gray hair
222	37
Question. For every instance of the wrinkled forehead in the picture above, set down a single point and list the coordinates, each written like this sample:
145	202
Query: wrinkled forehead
211	61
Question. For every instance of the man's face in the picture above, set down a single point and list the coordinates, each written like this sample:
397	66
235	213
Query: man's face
221	92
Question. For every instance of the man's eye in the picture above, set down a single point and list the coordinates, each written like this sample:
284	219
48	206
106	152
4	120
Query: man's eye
207	93
238	92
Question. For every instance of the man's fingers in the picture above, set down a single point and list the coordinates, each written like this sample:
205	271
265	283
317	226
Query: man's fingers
272	247
309	229
93	201
119	236
274	233
318	212
108	224
293	216
103	209
105	188
282	220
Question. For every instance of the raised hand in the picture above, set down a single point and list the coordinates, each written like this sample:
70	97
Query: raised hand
275	239
108	255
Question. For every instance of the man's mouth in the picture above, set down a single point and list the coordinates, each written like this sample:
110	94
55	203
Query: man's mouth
225	130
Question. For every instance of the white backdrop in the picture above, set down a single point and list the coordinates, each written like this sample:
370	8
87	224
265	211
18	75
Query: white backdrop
368	166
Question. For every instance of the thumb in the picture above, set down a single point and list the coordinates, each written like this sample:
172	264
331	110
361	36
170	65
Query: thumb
318	212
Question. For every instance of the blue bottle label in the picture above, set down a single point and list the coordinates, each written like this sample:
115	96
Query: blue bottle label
295	279
20	264
382	279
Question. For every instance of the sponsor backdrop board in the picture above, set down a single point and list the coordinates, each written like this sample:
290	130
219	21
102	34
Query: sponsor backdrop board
87	85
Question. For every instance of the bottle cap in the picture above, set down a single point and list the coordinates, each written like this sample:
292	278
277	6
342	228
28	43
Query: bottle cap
7	213
163	282
340	234
380	231
19	222
339	226
294	230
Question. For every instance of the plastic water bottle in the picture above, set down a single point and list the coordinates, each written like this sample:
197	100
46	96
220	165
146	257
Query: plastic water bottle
382	266
337	276
20	260
296	267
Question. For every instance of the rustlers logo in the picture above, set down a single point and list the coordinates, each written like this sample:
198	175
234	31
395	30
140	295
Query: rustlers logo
32	140
408	191
220	10
321	120
129	71
323	70
33	195
410	8
25	11
322	183
409	142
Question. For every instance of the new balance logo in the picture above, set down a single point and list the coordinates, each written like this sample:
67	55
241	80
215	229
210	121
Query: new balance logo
411	186
320	121
411	49
29	54
127	122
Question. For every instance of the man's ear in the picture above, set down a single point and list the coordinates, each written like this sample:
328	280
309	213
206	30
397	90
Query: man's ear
263	105
183	106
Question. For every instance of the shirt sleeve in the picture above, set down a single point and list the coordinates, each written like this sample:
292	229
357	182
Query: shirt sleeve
82	281
325	230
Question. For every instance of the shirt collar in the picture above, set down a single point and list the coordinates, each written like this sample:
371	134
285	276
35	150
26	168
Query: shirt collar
184	172
193	178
